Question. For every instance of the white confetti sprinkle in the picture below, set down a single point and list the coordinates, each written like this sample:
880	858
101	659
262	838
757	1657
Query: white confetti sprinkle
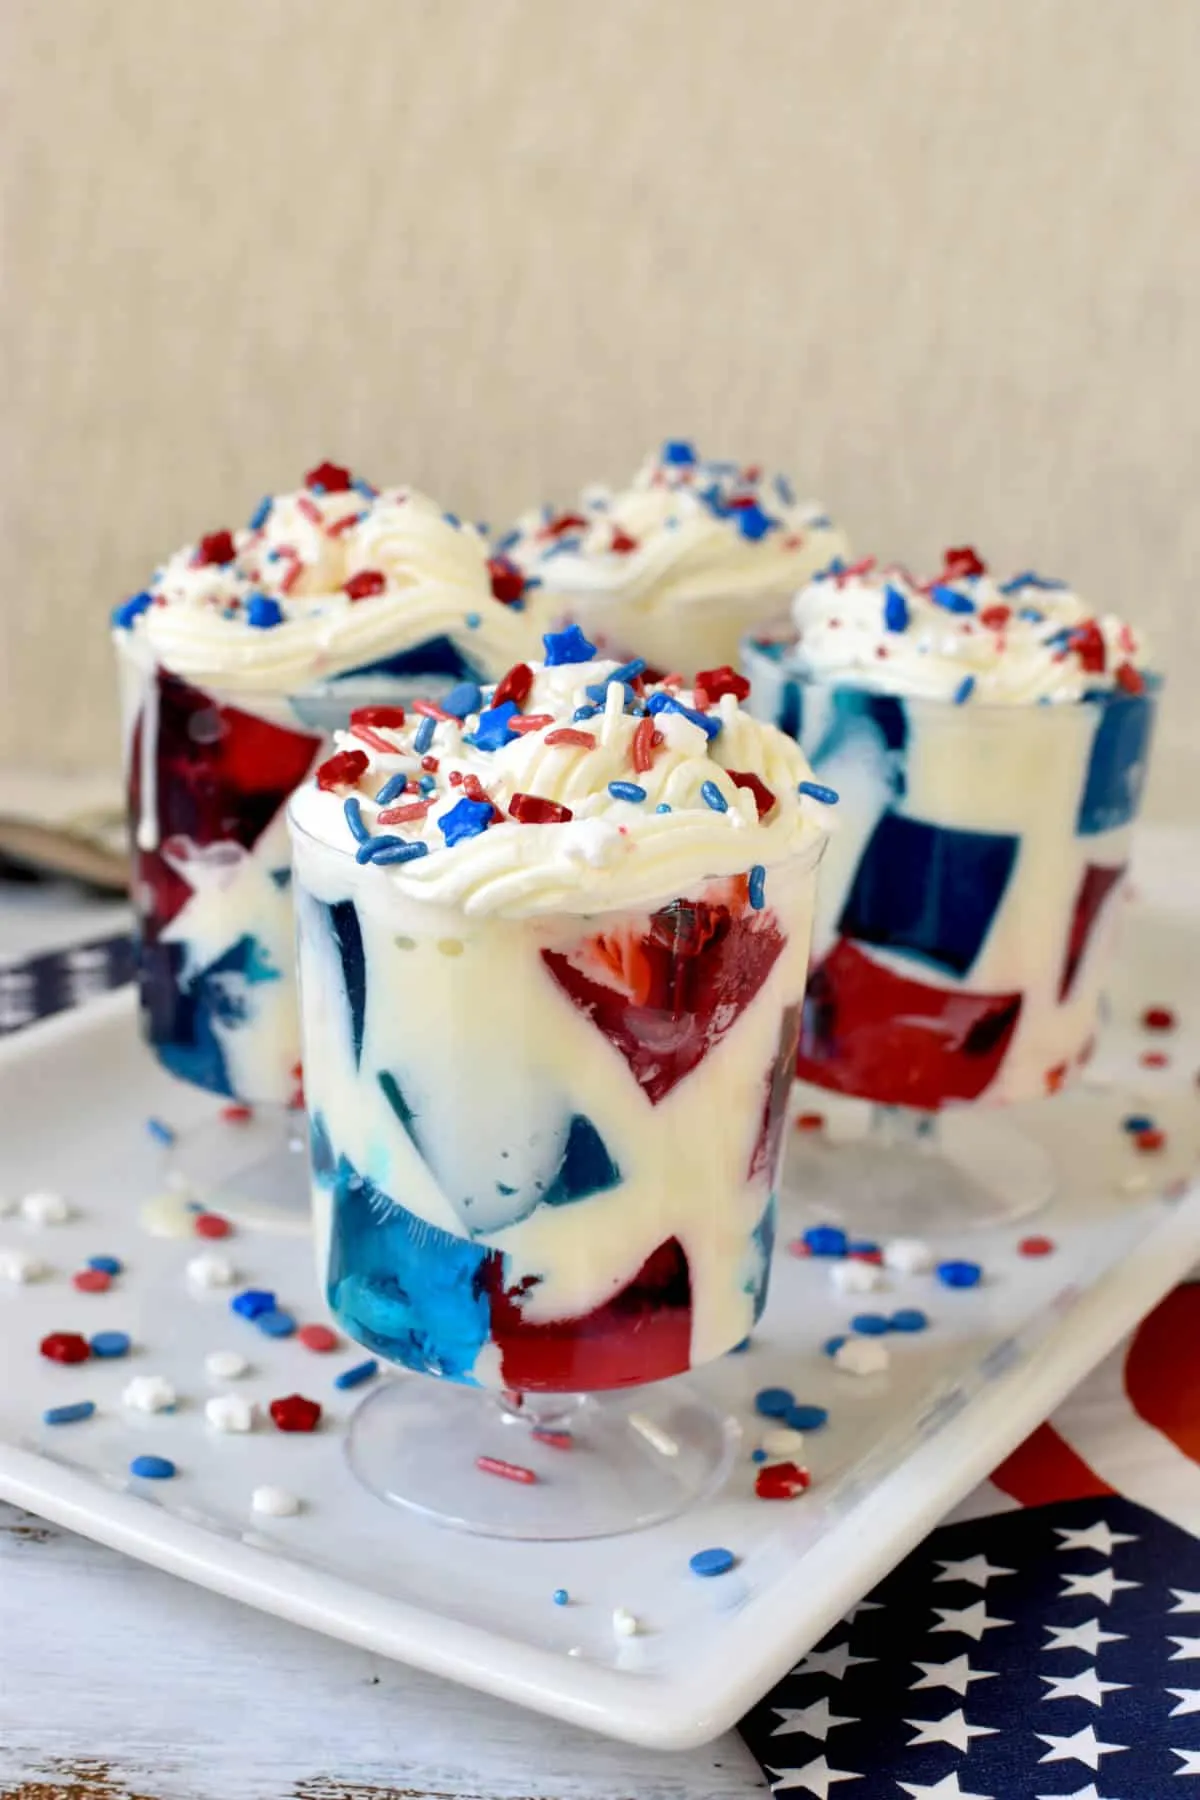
1134	1184
149	1393
45	1209
226	1365
167	1215
229	1412
783	1441
624	1622
276	1502
862	1356
211	1270
909	1256
20	1265
853	1276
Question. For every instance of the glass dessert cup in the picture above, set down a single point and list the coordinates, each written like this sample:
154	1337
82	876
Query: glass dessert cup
208	779
544	1154
964	935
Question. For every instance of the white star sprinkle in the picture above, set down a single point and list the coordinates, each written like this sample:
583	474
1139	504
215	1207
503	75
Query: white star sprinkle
1190	1760
833	1662
975	1569
952	1729
816	1720
815	1778
1100	1586
1189	1701
1188	1651
1185	1601
972	1621
1084	1686
1087	1636
1093	1537
955	1674
945	1789
1082	1746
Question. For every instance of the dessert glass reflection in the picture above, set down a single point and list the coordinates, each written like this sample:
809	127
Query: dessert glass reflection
236	663
989	745
552	958
677	567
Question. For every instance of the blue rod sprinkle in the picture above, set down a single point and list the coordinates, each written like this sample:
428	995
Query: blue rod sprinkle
392	789
69	1415
352	808
401	853
817	791
352	1378
627	790
712	796
757	886
423	736
160	1132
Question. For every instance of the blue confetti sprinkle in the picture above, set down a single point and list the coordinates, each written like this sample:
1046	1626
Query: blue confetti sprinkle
129	610
363	487
275	1323
757	887
909	1318
1030	578
560	1596
376	846
826	1240
400	853
427	785
678	453
816	790
959	1274
152	1468
832	1345
785	490
835	566
753	522
1134	1122
262	612
964	690
584	712
466	819
758	1456
423	736
463	699
717	1561
950	599
494	729
773	1402
627	790
862	1247
869	1324
160	1132
598	691
352	1378
895	609
252	1301
738	1348
110	1343
69	1415
392	789
567	646
629	671
105	1265
1032	614
352	808
662	807
712	796
261	513
453	519
803	1417
709	724
472	621
509	541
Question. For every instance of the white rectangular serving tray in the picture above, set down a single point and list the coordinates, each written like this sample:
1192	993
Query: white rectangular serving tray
899	1450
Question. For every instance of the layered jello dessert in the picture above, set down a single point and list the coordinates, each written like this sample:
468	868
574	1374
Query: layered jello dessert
676	567
989	741
242	653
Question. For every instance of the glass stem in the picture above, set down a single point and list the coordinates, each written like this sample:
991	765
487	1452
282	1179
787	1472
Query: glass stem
904	1128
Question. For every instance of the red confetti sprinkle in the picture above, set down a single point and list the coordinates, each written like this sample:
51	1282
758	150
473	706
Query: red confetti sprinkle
1087	641
1159	1018
474	789
764	799
374	739
429	709
781	1481
810	1121
342	769
308	509
642	747
345	524
867	1256
429	764
530	809
995	617
531	722
565	522
557	1440
798	1247
237	1114
291	578
390	717
65	1347
566	734
716	683
218	547
514	686
211	1225
494	1465
957	563
92	1281
1154	1139
1154	1059
295	1413
1128	679
330	476
622	544
1036	1246
403	815
1056	1076
319	1338
508	583
365	583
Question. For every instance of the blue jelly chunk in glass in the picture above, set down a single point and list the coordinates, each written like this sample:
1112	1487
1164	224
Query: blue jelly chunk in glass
1112	789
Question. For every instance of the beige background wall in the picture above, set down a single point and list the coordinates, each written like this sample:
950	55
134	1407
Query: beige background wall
938	257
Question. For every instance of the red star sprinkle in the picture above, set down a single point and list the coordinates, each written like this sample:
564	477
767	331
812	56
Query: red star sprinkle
329	476
65	1347
217	548
508	583
342	770
764	799
366	583
1159	1018
957	563
1128	679
781	1481
1087	641
92	1281
295	1413
529	809
718	682
622	544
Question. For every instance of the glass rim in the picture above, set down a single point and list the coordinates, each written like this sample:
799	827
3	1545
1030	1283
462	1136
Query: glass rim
373	687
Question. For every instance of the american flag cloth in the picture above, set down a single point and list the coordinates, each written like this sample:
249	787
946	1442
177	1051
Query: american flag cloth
40	985
1043	1644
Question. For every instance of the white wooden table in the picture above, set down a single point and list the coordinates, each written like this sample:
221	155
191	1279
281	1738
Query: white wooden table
121	1683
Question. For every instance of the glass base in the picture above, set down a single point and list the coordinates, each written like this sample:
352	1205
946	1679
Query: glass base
601	1463
916	1174
253	1171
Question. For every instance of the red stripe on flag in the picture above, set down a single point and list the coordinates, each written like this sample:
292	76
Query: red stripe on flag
1162	1369
1045	1468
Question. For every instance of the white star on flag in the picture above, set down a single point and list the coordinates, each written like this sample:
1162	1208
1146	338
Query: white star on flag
816	1720
975	1569
1189	1701
863	1606
1100	1586
1190	1760
1188	1651
1082	1746
945	1789
815	1778
833	1662
1084	1686
1087	1636
1093	1537
953	1729
972	1621
955	1674
1185	1601
1085	1793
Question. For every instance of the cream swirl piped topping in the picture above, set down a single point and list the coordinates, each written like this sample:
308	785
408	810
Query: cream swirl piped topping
572	785
962	637
319	582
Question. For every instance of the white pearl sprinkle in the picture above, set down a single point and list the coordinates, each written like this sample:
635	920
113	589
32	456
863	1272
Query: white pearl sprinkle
624	1622
276	1502
45	1209
783	1441
149	1393
21	1266
853	1276
229	1412
862	1356
210	1270
909	1256
225	1365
